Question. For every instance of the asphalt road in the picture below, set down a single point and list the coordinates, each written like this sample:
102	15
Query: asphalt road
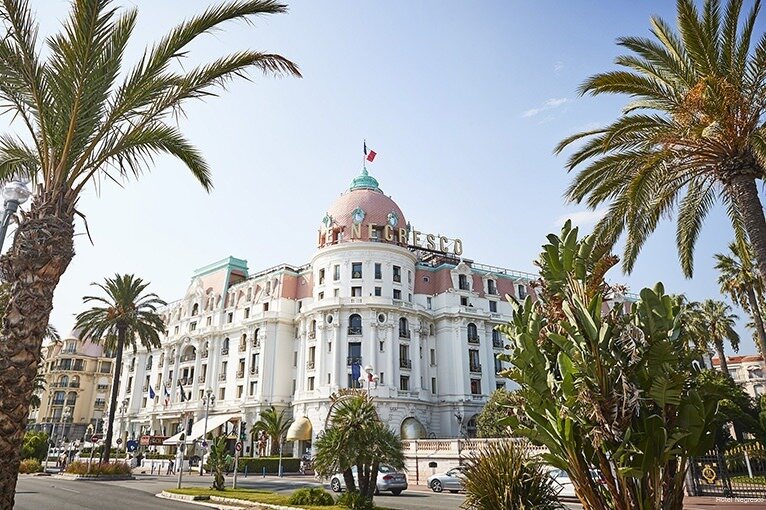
44	493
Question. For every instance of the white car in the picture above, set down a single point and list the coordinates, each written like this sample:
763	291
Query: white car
453	480
563	481
388	480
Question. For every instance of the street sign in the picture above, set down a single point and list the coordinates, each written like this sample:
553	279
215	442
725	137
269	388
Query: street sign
119	440
204	444
238	446
132	445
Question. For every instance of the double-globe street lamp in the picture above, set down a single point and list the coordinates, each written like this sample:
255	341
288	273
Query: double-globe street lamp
209	400
370	378
123	409
15	193
52	439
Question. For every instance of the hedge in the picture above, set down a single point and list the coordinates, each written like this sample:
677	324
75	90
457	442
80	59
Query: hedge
256	464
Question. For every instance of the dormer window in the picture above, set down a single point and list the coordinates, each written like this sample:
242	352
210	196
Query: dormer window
356	270
462	282
491	289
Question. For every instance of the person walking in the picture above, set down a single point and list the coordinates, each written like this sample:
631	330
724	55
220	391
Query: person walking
171	469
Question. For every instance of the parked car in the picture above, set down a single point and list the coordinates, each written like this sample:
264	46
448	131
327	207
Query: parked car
388	480
453	480
563	481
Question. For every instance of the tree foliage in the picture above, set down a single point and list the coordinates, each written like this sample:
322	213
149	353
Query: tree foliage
35	446
501	404
275	424
216	462
605	387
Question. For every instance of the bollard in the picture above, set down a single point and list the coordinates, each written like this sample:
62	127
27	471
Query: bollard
264	471
245	470
281	471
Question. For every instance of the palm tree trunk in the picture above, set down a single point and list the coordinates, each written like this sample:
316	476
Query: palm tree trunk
42	250
115	389
758	319
744	194
348	477
721	357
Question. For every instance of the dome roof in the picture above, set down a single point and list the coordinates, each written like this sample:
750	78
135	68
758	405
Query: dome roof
362	205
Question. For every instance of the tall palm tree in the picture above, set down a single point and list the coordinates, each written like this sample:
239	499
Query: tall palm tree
275	425
711	323
85	116
744	285
125	315
692	135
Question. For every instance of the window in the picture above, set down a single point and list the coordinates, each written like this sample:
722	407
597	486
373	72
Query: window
473	360
253	387
499	385
429	303
409	297
239	391
229	317
247	312
321	276
522	291
354	353
352	382
433	385
409	276
493	306
295	358
312	355
320	297
464	301
336	292
404	328
336	273
356	292
222	394
497	340
192	326
404	383
225	348
355	324
328	378
378	291
433	357
175	330
473	333
310	384
755	373
300	306
397	274
462	282
209	321
491	289
397	294
195	309
498	366
380	379
265	307
404	357
381	346
356	270
378	271
733	373
475	386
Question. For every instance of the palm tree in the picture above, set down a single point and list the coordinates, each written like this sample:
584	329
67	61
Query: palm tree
275	425
357	437
711	322
126	314
217	462
744	285
692	134
83	117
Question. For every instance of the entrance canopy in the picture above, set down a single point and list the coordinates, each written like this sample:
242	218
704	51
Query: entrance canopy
300	430
198	429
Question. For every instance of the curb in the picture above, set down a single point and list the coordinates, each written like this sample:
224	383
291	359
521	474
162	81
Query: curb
94	478
236	503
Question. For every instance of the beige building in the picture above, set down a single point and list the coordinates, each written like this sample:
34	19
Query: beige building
747	371
78	376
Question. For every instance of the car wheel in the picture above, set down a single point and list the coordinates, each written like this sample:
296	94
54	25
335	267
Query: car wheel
436	486
335	485
396	492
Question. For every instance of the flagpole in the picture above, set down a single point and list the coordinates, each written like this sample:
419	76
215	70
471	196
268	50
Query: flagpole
364	155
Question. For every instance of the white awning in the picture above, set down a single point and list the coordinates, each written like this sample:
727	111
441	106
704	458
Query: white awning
300	430
198	429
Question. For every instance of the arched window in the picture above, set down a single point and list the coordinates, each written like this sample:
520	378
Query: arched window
431	329
225	349
355	324
473	333
313	329
149	362
404	328
58	398
132	364
75	382
195	309
64	381
71	398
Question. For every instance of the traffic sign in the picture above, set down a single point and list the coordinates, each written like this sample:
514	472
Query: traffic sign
119	440
204	444
238	446
132	445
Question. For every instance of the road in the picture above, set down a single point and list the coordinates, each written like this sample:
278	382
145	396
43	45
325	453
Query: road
51	493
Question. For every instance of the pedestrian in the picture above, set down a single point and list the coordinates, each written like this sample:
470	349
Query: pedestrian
171	470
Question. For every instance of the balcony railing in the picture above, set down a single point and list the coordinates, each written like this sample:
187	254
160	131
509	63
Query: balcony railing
225	351
473	339
222	376
404	333
146	388
354	331
157	386
397	278
405	363
476	368
254	371
58	402
172	361
353	360
187	357
257	343
159	365
240	374
99	404
201	379
203	354
497	343
310	365
312	335
242	347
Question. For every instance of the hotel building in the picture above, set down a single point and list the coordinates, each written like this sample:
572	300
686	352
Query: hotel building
378	297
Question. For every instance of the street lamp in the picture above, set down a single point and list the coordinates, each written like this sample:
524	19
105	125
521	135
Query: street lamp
209	399
369	378
123	409
15	193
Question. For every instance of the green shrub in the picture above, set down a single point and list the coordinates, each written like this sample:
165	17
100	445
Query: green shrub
79	467
256	464
35	446
30	466
311	496
502	475
355	500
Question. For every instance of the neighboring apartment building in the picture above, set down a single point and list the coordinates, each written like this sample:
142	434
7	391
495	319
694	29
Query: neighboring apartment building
377	295
747	371
78	378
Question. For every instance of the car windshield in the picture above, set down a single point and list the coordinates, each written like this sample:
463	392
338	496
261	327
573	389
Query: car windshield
385	469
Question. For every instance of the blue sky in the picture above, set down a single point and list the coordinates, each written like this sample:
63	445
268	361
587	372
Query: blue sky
463	101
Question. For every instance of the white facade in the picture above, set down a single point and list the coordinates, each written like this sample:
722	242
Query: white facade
288	336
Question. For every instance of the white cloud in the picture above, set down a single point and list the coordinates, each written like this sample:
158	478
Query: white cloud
549	104
582	219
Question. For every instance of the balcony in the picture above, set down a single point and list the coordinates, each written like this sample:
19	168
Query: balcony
257	343
222	377
148	366
398	278
128	389
353	360
172	361
58	402
312	335
240	374
354	331
146	388
157	386
405	363
187	357
201	379
242	347
225	351
497	343
99	404
254	371
204	354
404	333
160	364
131	368
309	365
476	368
473	339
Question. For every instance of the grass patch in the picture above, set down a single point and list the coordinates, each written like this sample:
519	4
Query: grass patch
253	495
756	480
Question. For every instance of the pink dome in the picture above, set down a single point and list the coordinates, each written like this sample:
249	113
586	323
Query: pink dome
351	215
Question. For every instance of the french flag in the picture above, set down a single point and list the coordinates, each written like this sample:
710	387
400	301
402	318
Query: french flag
369	155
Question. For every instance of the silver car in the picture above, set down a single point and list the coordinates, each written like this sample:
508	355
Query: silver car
453	480
388	480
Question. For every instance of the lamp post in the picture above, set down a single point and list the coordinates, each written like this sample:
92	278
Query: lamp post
15	193
209	399
369	378
123	409
459	418
64	417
